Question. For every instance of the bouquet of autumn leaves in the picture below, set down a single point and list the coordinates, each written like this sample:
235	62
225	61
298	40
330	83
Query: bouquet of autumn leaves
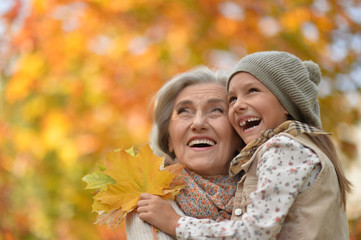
127	174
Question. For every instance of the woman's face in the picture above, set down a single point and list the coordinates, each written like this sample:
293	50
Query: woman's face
200	133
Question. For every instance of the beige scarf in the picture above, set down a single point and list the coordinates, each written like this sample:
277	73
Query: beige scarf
293	128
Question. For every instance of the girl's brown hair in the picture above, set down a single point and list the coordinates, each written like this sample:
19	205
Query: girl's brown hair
325	143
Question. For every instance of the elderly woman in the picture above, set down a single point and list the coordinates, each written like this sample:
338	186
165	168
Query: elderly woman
191	127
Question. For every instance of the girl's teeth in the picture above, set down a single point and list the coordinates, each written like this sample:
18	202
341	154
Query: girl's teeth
242	124
250	128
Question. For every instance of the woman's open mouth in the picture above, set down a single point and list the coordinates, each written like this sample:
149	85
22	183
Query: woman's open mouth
201	143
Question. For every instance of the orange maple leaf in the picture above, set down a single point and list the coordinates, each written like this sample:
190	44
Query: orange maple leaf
134	171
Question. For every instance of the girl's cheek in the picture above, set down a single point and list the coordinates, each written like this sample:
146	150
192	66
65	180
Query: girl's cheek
234	126
230	114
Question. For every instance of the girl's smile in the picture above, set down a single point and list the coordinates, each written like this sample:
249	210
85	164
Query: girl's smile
252	107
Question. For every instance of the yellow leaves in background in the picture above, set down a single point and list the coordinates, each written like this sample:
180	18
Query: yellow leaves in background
55	128
34	109
112	5
226	27
77	77
137	122
128	173
74	44
293	20
41	6
28	69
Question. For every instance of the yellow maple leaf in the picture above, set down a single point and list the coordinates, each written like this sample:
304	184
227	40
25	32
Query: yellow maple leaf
127	174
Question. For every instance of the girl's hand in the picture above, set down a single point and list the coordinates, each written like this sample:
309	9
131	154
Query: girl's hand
158	212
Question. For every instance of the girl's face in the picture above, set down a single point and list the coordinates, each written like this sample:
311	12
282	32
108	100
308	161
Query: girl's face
200	133
252	107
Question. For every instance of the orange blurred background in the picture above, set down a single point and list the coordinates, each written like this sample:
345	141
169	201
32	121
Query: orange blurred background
77	78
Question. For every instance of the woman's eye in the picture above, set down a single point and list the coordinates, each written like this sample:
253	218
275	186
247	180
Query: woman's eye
181	110
218	110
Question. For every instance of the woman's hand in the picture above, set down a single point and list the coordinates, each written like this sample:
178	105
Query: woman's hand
158	212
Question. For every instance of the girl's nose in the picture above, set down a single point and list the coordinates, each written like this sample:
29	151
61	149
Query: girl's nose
239	105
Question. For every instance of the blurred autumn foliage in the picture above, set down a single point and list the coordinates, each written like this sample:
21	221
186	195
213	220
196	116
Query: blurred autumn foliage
77	77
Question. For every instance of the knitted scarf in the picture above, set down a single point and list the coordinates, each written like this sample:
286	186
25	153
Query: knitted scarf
291	127
210	197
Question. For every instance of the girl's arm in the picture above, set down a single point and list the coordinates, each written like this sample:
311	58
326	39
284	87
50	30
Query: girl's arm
137	229
158	212
283	171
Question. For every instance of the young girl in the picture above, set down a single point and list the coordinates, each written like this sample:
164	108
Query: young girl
293	187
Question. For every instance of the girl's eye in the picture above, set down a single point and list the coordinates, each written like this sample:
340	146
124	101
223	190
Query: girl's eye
251	90
231	99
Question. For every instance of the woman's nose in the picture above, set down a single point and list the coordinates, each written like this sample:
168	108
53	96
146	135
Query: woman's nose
199	122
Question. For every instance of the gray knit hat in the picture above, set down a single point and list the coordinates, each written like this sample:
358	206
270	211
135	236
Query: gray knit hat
292	81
